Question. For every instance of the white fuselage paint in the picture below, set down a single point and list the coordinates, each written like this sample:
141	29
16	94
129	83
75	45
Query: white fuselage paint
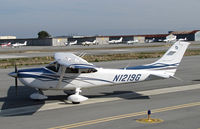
85	80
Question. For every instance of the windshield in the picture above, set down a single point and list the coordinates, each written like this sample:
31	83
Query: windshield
53	66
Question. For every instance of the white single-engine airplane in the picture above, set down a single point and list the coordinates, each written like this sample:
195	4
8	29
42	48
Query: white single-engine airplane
19	44
89	43
115	41
6	44
71	73
132	41
71	43
171	39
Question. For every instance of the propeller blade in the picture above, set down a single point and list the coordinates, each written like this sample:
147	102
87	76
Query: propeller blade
16	68
16	85
16	81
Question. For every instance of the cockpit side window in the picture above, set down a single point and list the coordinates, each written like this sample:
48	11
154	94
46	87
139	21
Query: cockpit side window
75	70
87	70
71	70
53	67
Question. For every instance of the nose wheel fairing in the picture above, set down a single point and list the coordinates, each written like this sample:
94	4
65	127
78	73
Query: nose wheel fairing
77	98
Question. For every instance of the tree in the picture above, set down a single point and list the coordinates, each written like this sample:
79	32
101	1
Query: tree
43	34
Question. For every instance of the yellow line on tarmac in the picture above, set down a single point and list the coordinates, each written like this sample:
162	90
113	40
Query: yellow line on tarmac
106	119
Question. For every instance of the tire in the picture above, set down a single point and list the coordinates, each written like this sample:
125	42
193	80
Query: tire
76	102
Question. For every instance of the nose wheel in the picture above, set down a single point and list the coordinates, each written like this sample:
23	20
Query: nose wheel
76	102
77	98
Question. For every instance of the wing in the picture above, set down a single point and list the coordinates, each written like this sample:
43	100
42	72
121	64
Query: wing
72	61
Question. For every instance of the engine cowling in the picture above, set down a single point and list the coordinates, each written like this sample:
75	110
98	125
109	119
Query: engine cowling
76	98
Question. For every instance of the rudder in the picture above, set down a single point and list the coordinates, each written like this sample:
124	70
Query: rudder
174	55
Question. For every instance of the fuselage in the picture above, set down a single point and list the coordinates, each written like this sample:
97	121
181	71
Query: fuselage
43	78
71	73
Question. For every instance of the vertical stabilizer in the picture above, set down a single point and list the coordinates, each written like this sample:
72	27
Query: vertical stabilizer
174	55
169	62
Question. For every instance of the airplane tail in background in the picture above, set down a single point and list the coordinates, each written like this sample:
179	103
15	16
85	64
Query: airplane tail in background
120	39
25	43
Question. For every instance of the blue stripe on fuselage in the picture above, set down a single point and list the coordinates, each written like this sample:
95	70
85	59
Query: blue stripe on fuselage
47	74
152	66
41	70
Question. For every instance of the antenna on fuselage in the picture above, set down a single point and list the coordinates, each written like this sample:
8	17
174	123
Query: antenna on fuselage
82	54
127	65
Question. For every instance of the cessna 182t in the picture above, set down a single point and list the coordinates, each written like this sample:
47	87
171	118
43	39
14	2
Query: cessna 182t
71	73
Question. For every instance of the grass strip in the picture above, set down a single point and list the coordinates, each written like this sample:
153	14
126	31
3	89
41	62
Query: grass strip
6	63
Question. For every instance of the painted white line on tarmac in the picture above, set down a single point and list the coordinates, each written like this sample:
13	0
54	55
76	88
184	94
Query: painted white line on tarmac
170	90
58	105
10	56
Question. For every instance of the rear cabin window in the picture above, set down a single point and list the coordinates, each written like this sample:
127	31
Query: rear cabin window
87	70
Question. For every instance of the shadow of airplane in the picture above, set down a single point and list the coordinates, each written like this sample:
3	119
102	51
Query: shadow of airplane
196	80
121	94
22	98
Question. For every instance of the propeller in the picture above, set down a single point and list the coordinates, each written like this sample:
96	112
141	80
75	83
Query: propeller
15	75
16	80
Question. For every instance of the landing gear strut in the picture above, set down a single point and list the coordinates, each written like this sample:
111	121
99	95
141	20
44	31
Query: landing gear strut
77	98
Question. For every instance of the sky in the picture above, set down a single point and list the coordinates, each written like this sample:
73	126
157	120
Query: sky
25	18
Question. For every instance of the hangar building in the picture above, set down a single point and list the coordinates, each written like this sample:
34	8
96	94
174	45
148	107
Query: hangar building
189	35
55	41
61	40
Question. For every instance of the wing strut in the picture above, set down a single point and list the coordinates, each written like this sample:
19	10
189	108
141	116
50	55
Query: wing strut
61	76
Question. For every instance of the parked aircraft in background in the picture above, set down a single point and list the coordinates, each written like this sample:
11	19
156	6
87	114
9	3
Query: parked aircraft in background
185	39
151	40
132	41
71	43
6	44
71	73
115	41
19	44
89	43
169	40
